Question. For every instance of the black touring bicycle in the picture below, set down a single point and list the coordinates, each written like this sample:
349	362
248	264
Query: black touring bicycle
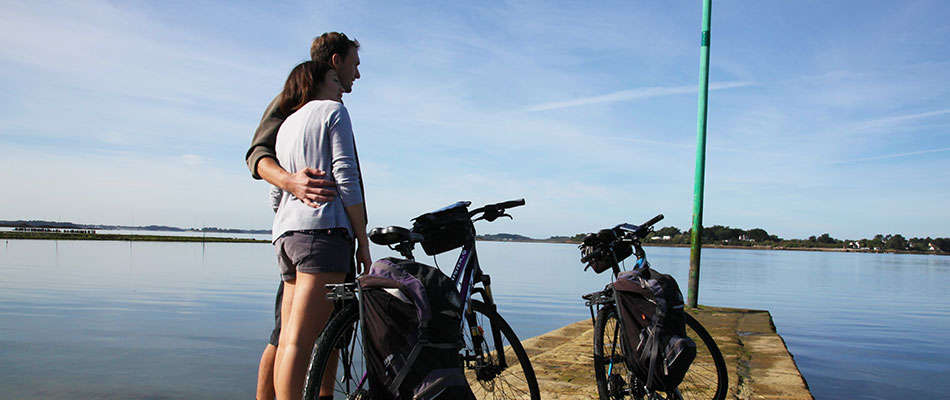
467	350
645	345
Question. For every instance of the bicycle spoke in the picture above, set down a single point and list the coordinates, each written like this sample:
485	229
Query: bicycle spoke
615	367
349	372
510	383
702	380
346	358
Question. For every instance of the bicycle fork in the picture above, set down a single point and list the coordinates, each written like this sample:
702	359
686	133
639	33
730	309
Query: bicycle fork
480	357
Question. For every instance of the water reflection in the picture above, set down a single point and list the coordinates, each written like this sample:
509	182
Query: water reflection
188	320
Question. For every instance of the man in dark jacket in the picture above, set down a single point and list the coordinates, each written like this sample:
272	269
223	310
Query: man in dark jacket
308	184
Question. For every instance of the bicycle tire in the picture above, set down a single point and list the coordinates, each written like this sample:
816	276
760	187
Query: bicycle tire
707	378
336	330
504	385
344	328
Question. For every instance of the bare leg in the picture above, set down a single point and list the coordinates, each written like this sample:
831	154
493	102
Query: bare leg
265	371
286	305
307	317
265	374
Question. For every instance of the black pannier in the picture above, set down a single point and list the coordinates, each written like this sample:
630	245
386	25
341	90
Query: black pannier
411	316
654	325
602	251
445	229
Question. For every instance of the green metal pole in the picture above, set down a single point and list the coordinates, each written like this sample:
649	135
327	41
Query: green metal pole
697	233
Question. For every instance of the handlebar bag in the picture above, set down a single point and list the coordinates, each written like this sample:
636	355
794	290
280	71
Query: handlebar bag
445	229
411	316
603	250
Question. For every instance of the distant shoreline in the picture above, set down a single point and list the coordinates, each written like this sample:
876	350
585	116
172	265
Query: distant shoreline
122	237
214	239
722	246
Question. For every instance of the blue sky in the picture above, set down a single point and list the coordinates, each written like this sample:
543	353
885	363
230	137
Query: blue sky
823	116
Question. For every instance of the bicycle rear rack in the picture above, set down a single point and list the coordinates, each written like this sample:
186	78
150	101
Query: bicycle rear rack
342	291
598	299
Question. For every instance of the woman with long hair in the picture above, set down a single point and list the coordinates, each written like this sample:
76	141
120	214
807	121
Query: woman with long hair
314	245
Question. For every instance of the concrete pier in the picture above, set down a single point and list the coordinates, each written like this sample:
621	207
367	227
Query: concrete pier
759	364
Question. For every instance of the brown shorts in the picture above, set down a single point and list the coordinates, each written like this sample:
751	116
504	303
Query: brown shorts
314	251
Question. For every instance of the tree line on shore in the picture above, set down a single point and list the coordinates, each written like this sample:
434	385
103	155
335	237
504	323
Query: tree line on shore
728	236
716	234
725	235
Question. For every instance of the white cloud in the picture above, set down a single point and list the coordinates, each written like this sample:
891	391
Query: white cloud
889	156
895	120
633	94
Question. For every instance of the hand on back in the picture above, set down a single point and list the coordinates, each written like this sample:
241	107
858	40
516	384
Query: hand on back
309	186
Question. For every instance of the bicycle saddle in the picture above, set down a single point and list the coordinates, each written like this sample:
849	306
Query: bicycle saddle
392	235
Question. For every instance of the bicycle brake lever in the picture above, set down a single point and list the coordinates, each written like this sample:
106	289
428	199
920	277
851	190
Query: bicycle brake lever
506	215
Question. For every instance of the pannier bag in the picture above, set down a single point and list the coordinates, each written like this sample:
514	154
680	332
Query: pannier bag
654	326
445	229
602	251
411	335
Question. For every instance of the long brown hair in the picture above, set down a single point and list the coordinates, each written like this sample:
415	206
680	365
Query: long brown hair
301	86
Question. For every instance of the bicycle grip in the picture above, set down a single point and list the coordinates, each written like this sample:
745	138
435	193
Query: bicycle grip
650	223
511	203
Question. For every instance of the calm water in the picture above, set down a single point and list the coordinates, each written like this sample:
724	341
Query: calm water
84	319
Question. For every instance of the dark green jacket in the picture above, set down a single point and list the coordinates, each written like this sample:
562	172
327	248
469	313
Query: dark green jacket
265	138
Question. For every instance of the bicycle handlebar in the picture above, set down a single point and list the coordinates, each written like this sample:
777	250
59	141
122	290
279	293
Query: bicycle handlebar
491	212
650	223
639	230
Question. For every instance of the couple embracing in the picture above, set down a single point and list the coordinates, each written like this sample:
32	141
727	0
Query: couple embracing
305	147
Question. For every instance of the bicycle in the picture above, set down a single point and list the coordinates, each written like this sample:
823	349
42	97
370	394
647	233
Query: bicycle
706	378
490	343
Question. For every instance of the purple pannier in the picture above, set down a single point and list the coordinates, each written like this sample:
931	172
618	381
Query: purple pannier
654	326
411	316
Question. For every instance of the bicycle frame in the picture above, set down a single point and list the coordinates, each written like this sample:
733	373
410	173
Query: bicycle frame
602	298
605	298
466	275
469	271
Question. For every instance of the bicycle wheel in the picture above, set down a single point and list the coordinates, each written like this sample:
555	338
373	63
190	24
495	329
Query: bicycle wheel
488	380
493	377
610	370
341	333
706	379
